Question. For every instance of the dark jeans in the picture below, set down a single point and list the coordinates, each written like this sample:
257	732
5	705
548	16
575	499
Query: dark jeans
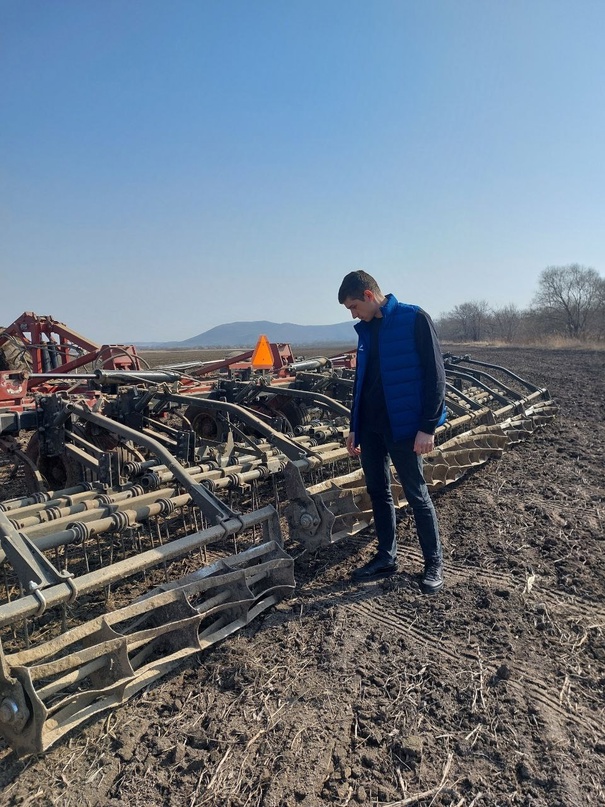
376	448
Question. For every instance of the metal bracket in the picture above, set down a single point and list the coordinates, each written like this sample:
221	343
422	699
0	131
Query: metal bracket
309	520
31	566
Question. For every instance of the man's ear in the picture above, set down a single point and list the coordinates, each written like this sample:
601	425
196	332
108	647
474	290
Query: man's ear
368	296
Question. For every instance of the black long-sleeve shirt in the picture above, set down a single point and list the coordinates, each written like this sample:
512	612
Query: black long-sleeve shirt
373	410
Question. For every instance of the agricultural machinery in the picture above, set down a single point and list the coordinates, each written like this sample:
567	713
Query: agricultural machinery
155	511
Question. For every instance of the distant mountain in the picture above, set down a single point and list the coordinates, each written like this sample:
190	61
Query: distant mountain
245	334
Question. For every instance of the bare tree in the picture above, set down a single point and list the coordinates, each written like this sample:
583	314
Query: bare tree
571	299
472	320
506	322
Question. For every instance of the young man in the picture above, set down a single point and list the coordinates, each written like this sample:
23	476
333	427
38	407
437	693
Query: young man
398	402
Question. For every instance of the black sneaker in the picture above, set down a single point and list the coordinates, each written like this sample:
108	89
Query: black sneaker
374	569
432	579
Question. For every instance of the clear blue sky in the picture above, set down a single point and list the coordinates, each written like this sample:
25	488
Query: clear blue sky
171	165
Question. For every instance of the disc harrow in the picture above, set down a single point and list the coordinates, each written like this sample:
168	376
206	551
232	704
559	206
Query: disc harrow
162	508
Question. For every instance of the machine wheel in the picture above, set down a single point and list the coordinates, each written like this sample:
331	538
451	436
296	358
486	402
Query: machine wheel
205	424
294	413
59	472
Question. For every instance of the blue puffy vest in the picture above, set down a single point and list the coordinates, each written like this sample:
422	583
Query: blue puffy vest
400	367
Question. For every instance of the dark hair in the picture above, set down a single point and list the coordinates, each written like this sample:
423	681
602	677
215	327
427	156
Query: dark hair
355	283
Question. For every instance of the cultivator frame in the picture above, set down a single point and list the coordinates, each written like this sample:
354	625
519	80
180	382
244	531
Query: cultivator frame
183	494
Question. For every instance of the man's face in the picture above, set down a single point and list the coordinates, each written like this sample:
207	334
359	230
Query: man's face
365	309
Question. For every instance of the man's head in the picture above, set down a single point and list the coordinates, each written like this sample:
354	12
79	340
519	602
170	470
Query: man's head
360	294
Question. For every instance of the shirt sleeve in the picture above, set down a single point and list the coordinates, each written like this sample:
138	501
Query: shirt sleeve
355	382
427	345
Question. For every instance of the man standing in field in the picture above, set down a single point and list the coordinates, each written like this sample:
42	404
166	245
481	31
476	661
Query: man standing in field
398	402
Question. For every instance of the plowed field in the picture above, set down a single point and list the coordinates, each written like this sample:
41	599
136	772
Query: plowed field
491	693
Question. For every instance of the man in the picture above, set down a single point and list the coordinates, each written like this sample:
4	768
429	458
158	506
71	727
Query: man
398	402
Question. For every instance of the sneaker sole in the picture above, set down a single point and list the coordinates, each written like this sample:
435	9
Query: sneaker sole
375	576
431	589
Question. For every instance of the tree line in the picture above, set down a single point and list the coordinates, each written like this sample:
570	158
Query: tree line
569	303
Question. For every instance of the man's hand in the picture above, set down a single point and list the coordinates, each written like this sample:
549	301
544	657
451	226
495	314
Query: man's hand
424	443
354	451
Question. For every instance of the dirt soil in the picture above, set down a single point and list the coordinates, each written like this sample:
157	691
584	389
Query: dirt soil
491	693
